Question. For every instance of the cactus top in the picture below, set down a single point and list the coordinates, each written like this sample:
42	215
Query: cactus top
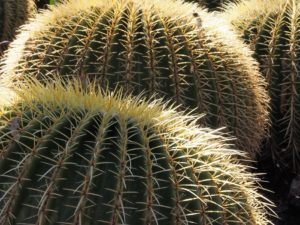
244	13
272	30
256	16
166	47
69	157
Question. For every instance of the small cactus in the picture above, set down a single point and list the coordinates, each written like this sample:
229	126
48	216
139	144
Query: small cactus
163	47
73	158
13	14
272	28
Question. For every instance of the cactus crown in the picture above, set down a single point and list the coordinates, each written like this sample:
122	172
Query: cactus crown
69	157
150	46
13	14
244	13
272	30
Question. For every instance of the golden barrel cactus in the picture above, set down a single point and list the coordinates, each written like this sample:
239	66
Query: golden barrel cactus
73	157
165	47
272	29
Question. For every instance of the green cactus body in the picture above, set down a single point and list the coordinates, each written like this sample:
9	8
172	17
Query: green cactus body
272	30
156	47
13	14
73	158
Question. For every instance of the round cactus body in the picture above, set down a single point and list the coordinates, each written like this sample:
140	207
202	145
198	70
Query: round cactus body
155	47
13	13
73	158
272	30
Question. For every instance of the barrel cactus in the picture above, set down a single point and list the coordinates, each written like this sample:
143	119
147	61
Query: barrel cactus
13	13
72	157
272	30
164	47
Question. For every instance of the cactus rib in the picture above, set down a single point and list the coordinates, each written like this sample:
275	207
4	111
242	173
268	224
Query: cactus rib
152	47
272	30
69	156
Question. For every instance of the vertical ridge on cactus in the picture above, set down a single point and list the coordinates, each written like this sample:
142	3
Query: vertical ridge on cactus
76	157
13	14
272	30
161	47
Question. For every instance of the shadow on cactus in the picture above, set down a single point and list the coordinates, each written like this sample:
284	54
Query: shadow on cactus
162	47
212	5
43	4
74	158
13	14
272	29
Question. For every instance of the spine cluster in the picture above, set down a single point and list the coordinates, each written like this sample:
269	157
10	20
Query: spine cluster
79	145
73	158
162	48
272	30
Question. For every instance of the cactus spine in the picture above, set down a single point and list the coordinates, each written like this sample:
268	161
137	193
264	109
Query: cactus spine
150	46
13	14
272	30
74	158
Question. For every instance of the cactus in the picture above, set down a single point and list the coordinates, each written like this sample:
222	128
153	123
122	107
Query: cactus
272	30
13	13
68	157
162	47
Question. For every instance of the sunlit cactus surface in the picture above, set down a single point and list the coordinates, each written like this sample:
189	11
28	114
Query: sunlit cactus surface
165	47
99	158
272	28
